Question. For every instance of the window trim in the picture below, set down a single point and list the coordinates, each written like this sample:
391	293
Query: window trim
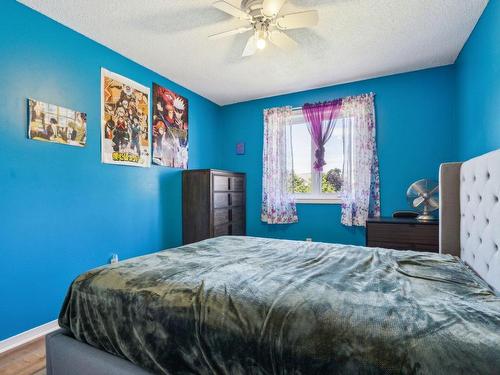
311	199
314	197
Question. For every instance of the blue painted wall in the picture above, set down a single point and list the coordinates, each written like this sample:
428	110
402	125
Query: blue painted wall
61	211
478	80
416	132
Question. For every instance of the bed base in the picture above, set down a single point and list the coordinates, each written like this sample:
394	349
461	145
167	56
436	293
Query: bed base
66	355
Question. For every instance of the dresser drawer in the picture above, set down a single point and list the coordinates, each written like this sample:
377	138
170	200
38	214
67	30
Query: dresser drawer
228	199
236	199
225	183
238	229
222	230
221	200
229	229
403	236
402	233
221	215
404	246
228	214
237	184
221	183
236	214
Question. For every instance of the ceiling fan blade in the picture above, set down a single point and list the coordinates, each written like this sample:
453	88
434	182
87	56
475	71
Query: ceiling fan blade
298	20
240	30
282	40
231	10
250	48
271	8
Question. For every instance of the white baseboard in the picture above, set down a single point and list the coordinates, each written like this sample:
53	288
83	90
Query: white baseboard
27	336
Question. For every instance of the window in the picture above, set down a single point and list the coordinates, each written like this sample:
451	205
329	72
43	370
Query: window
310	186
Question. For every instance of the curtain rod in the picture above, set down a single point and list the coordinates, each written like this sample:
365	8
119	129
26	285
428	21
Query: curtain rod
300	108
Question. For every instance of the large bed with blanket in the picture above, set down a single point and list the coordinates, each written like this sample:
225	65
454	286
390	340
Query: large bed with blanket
244	305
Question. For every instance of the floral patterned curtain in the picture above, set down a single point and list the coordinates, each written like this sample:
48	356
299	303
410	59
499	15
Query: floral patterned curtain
278	204
361	182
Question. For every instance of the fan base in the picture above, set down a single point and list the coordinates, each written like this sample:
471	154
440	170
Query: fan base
426	217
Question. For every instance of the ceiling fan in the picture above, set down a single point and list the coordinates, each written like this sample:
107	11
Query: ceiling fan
266	22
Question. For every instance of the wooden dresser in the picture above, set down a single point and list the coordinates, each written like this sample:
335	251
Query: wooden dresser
403	234
213	204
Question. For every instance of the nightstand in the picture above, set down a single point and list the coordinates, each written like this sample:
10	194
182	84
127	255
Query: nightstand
403	234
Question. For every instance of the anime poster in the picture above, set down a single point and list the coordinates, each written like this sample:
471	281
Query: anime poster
51	123
124	121
170	128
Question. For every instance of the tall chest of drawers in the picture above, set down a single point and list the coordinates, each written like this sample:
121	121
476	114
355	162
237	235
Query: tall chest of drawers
213	204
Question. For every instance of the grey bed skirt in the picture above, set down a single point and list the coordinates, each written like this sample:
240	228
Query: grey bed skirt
66	356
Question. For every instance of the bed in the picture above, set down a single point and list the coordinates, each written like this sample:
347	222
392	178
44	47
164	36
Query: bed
243	305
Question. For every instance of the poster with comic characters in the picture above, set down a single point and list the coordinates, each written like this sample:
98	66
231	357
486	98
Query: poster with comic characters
52	123
125	133
170	128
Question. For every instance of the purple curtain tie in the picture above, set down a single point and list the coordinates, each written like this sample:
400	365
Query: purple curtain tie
321	119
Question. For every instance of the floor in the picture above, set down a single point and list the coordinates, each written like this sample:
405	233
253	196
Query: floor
28	359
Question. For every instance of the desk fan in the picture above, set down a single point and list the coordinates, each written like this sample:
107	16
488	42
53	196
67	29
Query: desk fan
423	197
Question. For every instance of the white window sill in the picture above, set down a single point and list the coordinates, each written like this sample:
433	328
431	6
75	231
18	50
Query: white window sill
311	200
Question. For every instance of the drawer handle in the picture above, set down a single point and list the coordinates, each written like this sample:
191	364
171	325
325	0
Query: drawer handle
229	199
228	184
230	215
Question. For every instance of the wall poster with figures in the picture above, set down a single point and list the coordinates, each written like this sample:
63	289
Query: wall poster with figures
51	123
170	128
125	129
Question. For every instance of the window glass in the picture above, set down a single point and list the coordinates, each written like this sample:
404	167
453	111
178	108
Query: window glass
331	181
301	158
308	183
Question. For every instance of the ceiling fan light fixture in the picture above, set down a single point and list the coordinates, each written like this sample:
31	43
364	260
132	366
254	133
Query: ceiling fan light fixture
261	39
265	19
261	43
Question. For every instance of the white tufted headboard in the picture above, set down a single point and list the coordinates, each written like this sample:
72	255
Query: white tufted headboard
470	214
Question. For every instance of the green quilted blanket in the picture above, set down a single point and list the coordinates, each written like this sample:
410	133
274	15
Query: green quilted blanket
243	305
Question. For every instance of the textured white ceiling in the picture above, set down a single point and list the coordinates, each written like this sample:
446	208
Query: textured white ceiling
355	39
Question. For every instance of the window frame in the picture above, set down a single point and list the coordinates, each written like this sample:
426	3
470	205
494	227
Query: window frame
316	196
